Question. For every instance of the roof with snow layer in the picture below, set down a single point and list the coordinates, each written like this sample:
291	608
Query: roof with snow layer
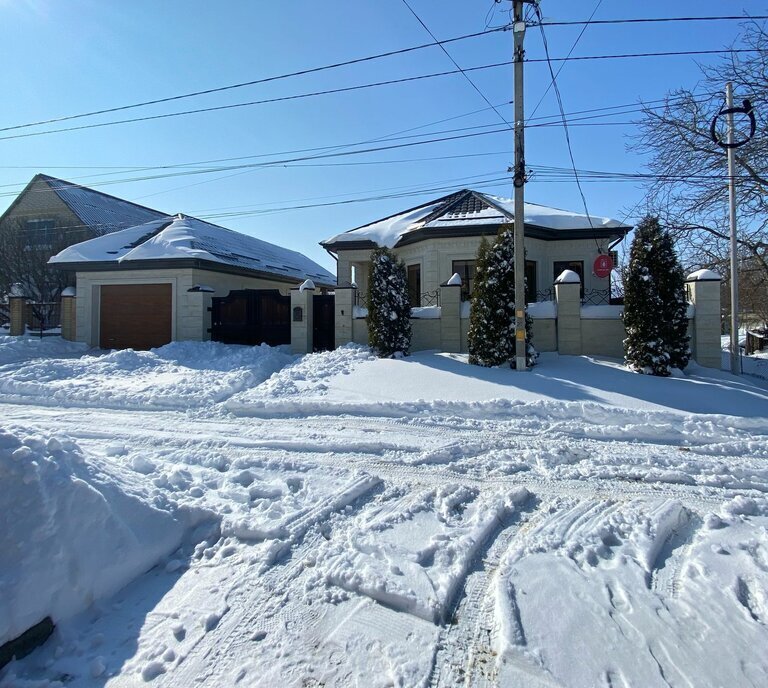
100	211
183	240
467	213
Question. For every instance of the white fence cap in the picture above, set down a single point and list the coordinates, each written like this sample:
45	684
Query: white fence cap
455	280
69	291
307	284
568	277
703	276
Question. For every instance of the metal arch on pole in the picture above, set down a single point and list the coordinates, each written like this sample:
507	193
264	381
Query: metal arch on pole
730	145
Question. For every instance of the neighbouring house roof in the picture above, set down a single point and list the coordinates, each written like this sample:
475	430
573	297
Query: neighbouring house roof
99	211
184	241
468	213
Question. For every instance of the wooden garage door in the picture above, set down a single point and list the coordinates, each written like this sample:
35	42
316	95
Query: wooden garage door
135	316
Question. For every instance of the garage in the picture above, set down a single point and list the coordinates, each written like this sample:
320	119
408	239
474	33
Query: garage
145	286
135	316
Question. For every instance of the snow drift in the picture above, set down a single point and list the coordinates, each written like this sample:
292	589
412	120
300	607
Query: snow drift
69	535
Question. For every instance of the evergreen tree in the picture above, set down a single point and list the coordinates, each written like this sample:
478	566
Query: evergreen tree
674	303
654	303
389	308
491	336
479	338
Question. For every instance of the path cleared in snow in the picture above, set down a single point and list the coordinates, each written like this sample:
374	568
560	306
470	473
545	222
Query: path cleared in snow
505	539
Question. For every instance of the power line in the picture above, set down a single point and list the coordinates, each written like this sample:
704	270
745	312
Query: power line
193	167
289	160
668	53
565	121
456	64
731	51
570	52
250	103
254	82
651	20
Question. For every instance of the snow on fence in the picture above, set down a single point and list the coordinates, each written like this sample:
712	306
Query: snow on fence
569	323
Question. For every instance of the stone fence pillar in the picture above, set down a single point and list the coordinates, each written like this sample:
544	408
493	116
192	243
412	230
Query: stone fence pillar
344	303
450	315
69	314
301	318
568	297
704	287
17	303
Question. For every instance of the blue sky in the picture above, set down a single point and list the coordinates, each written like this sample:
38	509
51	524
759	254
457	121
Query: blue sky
63	58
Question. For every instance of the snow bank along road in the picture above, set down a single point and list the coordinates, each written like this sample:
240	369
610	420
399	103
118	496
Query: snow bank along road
434	543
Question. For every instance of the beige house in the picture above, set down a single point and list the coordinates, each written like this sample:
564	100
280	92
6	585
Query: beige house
440	238
180	278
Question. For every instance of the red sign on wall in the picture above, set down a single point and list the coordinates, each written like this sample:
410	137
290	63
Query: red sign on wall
603	266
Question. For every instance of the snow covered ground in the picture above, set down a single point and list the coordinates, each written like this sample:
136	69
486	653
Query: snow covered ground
203	515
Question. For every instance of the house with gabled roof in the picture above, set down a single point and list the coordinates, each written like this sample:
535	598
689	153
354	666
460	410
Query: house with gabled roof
54	210
49	215
440	238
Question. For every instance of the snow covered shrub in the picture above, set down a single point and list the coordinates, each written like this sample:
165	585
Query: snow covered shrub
654	303
491	336
389	307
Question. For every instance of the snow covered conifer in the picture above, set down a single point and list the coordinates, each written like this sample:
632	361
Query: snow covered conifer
491	336
389	308
674	304
479	337
654	303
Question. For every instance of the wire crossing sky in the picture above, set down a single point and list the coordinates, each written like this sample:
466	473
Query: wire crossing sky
299	121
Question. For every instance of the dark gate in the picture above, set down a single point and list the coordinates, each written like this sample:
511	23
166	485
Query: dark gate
251	316
323	323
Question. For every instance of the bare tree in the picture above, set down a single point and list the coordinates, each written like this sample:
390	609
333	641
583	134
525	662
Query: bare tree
24	258
688	191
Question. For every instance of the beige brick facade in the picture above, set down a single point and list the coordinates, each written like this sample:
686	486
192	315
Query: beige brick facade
191	319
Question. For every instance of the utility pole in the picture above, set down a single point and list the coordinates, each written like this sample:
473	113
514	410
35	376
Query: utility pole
518	30
735	368
730	144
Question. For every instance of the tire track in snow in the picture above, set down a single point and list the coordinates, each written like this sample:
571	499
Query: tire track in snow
254	604
464	655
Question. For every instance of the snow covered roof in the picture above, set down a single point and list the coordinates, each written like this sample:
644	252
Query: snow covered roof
98	210
182	237
477	212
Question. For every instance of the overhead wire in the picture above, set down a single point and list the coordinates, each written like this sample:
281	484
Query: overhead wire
570	52
565	123
653	20
358	87
577	118
254	82
456	64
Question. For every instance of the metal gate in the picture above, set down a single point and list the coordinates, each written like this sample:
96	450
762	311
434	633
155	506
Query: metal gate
323	323
251	316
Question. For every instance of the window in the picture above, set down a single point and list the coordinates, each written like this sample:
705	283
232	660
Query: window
576	265
530	281
40	234
414	285
465	270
